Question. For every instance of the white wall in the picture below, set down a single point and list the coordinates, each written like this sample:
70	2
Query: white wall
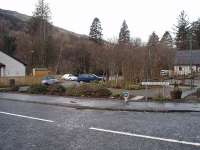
13	67
185	70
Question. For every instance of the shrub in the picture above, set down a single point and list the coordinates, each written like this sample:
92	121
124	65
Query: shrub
103	92
56	90
118	95
14	88
115	84
38	89
159	97
89	90
198	92
121	84
176	94
73	91
133	87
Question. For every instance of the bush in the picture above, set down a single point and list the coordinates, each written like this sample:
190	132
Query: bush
117	95
113	84
38	89
198	92
159	97
56	90
73	91
134	87
103	92
14	88
89	90
176	93
121	84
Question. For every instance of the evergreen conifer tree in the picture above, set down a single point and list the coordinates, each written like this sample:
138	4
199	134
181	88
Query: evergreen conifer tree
195	28
40	29
167	40
96	31
124	35
182	30
153	40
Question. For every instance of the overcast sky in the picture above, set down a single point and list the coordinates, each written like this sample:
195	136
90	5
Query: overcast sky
142	16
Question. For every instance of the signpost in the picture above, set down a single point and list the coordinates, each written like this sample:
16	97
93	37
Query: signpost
163	84
126	95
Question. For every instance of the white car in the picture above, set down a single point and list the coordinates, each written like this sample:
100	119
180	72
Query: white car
69	77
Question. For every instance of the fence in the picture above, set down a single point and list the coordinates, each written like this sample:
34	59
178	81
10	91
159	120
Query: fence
27	80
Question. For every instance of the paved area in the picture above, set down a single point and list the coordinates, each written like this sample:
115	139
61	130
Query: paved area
103	104
154	92
63	128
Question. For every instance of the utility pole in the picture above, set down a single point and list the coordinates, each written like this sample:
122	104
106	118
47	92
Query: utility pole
190	48
148	71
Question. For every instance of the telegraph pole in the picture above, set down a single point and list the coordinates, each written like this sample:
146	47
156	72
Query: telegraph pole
190	48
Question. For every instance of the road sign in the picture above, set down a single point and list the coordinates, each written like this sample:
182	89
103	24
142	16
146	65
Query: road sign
156	83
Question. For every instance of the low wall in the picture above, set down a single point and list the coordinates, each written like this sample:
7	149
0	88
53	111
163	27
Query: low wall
27	80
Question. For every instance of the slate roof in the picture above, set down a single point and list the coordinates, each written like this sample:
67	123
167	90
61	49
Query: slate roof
183	57
14	58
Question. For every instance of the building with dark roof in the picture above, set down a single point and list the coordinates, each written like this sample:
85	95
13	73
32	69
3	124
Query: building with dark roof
184	59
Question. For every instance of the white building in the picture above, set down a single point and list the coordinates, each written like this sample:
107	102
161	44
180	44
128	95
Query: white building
183	60
10	66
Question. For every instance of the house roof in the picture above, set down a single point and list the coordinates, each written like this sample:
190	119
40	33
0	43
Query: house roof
14	58
184	57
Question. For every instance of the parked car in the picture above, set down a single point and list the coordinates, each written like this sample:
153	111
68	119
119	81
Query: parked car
49	80
88	78
100	77
69	77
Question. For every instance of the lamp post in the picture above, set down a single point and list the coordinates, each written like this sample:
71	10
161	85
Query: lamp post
32	62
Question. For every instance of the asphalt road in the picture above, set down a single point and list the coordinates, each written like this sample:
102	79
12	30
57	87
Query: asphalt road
26	126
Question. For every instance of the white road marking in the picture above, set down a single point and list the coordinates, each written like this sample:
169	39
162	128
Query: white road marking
146	137
22	116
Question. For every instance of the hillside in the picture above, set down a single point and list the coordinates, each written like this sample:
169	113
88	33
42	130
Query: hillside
18	22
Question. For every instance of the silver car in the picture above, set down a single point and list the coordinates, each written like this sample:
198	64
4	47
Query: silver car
49	80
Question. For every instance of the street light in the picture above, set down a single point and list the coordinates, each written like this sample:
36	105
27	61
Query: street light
32	52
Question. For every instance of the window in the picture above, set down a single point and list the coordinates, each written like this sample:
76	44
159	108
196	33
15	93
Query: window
180	68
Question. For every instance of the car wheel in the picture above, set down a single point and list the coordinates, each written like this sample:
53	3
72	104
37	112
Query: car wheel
46	84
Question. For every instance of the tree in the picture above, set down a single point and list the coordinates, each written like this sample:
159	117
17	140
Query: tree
182	30
137	42
96	31
195	28
9	45
152	54
124	34
40	29
153	40
167	40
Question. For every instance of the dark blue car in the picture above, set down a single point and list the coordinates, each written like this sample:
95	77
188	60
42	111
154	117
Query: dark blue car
88	78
